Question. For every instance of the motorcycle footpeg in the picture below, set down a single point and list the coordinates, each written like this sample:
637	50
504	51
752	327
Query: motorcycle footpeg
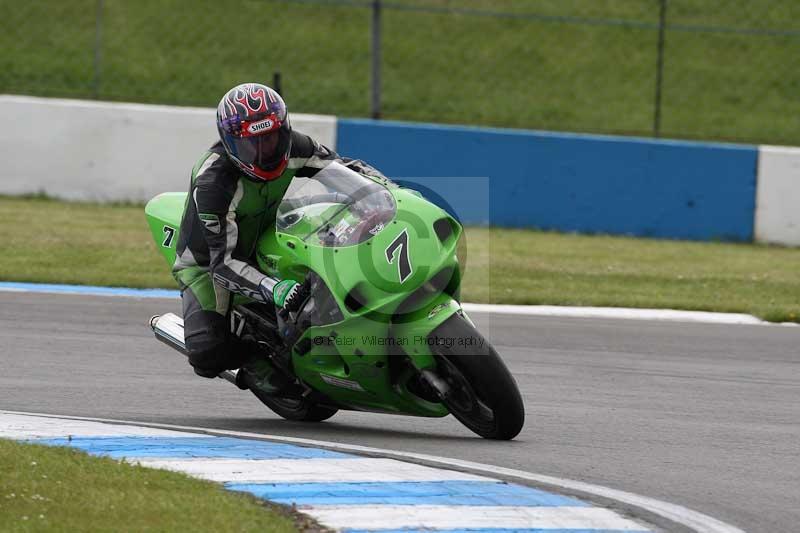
239	379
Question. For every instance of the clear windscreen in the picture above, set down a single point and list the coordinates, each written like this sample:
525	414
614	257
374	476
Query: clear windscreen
336	207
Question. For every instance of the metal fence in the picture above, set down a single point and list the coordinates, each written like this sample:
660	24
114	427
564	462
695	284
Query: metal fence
717	69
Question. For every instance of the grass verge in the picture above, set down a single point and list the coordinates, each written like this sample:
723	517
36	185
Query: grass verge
530	267
61	489
51	241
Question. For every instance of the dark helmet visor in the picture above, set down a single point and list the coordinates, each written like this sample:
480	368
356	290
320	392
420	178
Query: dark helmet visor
265	151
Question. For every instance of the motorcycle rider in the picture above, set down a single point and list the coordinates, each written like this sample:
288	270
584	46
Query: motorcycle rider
236	188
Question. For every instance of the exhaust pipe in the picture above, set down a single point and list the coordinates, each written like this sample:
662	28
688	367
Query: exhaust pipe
168	328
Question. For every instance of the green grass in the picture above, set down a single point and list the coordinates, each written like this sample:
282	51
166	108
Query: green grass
46	488
535	72
64	242
50	241
529	267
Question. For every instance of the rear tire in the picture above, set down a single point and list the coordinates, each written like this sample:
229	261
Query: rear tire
483	394
296	410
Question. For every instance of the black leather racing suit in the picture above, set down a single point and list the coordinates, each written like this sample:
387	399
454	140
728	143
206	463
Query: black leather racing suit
226	213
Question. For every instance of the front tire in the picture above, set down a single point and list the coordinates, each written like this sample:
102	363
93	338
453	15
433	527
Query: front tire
483	394
301	410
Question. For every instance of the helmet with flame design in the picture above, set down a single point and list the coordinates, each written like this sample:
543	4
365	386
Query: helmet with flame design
254	127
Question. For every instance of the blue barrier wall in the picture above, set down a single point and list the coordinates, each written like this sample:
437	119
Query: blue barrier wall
567	182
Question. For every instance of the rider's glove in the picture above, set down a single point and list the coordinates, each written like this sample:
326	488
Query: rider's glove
289	295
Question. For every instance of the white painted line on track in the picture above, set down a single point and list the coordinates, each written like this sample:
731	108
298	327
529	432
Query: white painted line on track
699	522
55	426
618	313
624	313
465	517
361	470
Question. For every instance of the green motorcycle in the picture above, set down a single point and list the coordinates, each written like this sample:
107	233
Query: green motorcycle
383	330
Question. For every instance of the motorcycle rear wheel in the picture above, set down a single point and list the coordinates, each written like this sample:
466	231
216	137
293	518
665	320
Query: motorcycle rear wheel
483	394
296	410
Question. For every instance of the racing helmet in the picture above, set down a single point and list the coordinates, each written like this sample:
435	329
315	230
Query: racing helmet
254	127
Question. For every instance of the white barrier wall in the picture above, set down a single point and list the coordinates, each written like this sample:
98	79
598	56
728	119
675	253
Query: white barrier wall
778	196
86	150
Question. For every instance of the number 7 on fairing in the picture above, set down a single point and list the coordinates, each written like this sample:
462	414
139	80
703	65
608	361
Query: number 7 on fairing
404	264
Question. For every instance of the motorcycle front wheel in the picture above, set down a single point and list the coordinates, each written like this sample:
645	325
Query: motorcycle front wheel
483	394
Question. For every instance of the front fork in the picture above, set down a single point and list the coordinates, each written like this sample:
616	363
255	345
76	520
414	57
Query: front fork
418	328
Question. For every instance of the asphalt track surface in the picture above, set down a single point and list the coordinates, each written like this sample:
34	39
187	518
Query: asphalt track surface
700	415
